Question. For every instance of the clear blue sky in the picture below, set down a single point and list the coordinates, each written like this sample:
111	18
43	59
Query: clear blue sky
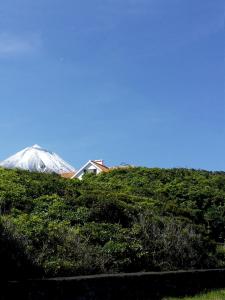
136	81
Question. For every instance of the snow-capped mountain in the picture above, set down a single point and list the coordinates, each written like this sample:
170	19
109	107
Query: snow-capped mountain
37	159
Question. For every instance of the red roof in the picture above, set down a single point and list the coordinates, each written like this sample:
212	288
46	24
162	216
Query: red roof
67	175
102	167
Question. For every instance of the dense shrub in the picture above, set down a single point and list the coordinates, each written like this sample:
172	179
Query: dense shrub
130	219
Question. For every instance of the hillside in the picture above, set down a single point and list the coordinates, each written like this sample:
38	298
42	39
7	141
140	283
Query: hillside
134	219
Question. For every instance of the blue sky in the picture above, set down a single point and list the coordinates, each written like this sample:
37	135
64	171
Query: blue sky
135	81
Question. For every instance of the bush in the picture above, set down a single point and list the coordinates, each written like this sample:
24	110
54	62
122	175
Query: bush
129	219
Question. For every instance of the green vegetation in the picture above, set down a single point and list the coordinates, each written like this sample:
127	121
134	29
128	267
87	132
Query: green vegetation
126	220
215	295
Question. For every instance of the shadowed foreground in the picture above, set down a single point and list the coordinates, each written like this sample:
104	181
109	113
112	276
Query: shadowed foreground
133	286
14	261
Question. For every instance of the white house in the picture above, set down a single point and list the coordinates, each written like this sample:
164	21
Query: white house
93	167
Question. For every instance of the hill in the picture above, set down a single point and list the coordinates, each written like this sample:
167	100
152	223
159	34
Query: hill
134	219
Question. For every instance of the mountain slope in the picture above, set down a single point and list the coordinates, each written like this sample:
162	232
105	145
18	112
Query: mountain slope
37	159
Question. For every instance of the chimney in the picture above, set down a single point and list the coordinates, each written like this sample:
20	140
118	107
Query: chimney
99	161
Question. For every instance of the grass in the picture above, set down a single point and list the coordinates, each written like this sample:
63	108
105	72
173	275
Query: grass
214	295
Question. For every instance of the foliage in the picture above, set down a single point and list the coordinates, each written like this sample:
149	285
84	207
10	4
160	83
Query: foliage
129	219
213	295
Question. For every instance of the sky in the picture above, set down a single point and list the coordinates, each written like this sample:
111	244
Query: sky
128	81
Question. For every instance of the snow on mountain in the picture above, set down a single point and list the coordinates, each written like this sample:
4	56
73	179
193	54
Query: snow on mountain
37	159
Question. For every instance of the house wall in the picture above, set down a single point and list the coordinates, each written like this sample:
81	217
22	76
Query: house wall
88	167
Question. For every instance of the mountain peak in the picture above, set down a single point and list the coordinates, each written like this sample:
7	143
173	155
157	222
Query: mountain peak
36	146
37	159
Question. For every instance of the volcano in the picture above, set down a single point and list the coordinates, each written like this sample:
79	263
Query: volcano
37	159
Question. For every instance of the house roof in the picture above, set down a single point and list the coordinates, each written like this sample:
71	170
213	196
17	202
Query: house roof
100	166
67	175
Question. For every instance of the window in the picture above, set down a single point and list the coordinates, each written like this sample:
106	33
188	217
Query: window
90	171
